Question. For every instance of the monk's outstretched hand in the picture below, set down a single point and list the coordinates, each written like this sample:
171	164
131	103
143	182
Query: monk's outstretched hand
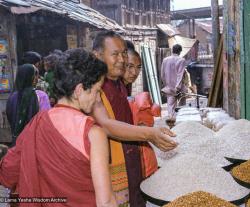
162	138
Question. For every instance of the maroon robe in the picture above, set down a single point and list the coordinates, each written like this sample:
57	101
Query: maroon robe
116	93
44	164
129	89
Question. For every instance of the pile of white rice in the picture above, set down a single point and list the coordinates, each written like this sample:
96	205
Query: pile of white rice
188	173
233	141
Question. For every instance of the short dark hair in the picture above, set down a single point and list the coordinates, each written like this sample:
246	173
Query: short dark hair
52	60
98	42
57	52
177	49
31	57
77	66
134	52
130	45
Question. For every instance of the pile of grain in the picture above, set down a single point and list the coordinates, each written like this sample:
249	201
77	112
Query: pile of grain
217	119
188	129
238	128
199	199
188	111
163	156
248	203
214	150
242	172
198	139
190	136
187	173
236	139
233	141
237	147
187	118
188	114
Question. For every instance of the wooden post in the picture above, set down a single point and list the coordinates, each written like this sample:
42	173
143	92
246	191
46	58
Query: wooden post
189	29
215	27
193	28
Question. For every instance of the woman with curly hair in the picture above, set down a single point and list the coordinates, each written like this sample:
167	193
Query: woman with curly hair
62	153
25	101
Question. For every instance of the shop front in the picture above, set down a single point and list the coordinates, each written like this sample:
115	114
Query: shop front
8	65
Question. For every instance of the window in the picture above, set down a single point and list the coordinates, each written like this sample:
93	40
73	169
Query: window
144	20
128	19
130	3
137	20
146	5
154	5
137	4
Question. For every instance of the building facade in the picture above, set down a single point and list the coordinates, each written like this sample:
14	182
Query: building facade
146	13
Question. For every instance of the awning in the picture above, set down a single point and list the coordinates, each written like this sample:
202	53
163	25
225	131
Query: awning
185	42
24	10
77	11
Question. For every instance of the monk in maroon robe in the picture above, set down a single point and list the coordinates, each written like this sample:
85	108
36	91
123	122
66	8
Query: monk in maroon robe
111	48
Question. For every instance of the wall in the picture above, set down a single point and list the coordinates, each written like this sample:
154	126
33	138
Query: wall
140	12
78	35
109	8
42	32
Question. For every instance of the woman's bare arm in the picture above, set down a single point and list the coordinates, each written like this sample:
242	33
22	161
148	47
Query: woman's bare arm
99	162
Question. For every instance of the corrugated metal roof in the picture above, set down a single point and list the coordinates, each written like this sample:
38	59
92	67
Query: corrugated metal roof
207	25
168	29
19	2
73	10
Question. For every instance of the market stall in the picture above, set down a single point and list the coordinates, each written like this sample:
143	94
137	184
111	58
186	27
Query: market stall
205	160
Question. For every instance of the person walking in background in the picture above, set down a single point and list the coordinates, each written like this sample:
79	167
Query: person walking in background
25	101
62	153
172	70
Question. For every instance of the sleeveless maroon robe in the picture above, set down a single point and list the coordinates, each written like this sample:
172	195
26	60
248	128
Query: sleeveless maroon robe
44	164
